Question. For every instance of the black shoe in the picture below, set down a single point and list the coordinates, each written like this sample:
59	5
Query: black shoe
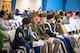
0	51
73	52
4	51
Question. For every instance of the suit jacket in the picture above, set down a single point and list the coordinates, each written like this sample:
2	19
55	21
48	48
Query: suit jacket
21	37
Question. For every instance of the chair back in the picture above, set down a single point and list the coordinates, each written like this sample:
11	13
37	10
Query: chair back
11	35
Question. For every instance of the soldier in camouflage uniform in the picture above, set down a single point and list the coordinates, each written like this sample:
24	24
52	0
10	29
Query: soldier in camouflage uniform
23	38
59	29
41	32
35	29
44	36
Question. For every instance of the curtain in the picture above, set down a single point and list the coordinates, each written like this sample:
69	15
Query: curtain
13	5
44	4
64	5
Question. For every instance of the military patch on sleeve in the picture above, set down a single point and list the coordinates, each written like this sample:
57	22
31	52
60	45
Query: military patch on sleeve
57	26
20	35
47	28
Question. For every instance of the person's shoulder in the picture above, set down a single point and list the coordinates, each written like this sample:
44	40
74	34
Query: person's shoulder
64	19
38	23
1	18
20	28
2	21
46	25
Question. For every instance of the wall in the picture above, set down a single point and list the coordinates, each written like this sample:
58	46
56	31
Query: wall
25	4
1	3
6	0
58	5
54	5
72	5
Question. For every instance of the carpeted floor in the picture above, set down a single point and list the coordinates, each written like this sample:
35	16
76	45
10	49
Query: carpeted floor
7	47
78	49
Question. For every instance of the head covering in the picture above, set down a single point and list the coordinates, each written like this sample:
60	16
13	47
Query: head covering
32	15
50	16
26	21
56	17
43	15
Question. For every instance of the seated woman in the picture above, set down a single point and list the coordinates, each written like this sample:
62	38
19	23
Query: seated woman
4	22
3	35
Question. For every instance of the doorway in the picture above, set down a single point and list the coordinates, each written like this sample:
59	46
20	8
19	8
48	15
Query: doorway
7	5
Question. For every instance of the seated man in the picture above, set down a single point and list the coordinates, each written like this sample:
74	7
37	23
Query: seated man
66	19
44	36
50	30
23	39
39	28
34	27
60	30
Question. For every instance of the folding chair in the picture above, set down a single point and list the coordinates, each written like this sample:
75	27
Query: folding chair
78	25
78	20
11	38
71	28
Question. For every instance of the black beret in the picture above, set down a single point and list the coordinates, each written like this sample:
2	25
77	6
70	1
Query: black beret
50	16
32	15
26	20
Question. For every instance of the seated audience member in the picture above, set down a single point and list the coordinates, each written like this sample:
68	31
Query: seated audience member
25	14
79	15
60	30
37	17
4	22
71	13
17	12
29	11
10	15
34	27
39	29
50	30
23	37
66	19
44	14
7	11
32	15
57	12
76	15
44	36
3	35
62	14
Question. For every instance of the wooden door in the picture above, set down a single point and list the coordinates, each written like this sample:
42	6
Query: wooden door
7	5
